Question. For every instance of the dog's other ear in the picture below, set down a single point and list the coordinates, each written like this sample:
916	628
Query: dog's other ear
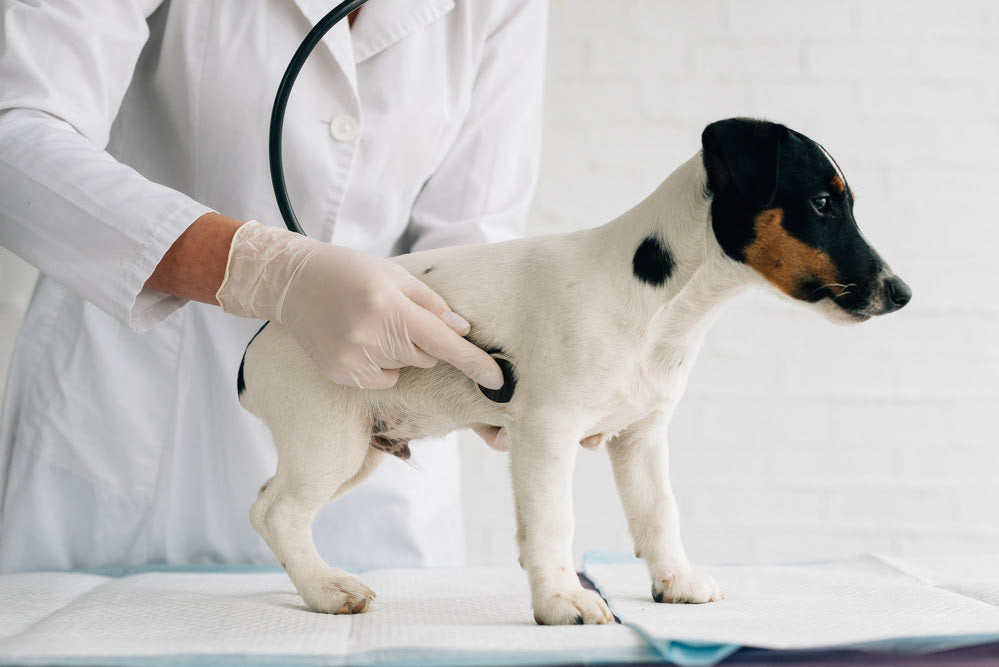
744	154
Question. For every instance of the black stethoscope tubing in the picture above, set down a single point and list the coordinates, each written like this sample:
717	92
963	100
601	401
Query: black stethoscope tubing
281	103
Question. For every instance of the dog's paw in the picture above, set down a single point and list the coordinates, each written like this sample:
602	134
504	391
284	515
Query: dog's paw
338	595
572	607
691	586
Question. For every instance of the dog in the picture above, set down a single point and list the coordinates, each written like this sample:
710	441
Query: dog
596	332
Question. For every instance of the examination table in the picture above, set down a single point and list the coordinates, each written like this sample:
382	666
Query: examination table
865	610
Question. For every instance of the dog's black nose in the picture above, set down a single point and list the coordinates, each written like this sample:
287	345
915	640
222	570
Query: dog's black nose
897	292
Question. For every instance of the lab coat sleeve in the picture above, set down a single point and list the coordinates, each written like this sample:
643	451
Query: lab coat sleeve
482	190
69	208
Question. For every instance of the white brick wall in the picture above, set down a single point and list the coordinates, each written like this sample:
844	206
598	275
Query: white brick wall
797	439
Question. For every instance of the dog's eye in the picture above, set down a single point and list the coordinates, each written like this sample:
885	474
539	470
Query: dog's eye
821	204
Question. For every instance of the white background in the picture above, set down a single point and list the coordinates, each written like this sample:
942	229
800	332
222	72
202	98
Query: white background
798	439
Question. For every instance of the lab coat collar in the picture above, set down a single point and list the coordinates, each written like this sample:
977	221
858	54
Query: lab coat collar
380	24
337	41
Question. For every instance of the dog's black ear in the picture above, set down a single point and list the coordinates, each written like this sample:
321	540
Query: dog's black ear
744	154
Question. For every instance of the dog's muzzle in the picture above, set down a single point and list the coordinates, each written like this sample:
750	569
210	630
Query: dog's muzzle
887	294
884	294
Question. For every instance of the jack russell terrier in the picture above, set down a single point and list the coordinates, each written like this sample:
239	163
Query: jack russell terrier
596	332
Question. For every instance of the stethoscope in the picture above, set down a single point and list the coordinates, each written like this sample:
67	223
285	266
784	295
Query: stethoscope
281	103
315	35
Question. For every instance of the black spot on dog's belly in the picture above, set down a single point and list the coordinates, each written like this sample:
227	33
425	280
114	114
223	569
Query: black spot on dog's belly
240	380
399	448
652	262
504	393
428	269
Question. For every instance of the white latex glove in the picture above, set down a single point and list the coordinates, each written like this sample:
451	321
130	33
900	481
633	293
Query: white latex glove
359	317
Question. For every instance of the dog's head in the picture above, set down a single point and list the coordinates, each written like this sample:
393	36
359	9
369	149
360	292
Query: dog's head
781	205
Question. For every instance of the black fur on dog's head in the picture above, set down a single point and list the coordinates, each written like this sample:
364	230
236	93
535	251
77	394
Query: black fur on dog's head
781	205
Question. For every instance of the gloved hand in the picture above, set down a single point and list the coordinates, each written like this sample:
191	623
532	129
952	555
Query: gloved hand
359	317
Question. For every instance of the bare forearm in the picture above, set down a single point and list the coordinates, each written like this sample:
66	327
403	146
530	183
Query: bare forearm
194	266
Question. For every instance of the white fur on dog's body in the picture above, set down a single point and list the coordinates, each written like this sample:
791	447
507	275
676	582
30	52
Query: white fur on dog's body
596	352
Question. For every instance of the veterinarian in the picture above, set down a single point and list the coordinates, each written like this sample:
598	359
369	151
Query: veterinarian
132	150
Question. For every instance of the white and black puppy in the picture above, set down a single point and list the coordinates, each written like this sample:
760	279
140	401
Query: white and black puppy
597	331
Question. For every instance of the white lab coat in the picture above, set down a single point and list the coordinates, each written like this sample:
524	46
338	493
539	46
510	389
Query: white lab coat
122	441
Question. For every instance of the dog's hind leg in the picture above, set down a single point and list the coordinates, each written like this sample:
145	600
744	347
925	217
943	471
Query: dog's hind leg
371	461
315	465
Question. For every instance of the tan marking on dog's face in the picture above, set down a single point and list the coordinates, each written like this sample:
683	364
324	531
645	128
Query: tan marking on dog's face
837	184
784	260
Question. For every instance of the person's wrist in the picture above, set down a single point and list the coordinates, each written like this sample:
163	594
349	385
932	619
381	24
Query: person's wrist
194	265
261	265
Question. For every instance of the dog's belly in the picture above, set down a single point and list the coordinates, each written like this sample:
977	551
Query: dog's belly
392	431
628	407
428	403
608	428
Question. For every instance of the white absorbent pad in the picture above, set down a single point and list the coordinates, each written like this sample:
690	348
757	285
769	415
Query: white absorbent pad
483	616
441	616
867	603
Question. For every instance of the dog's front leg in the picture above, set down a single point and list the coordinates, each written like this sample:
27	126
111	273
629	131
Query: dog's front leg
542	457
640	460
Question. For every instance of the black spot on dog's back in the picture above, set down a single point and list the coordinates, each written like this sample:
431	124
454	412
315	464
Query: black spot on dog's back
428	269
652	262
240	380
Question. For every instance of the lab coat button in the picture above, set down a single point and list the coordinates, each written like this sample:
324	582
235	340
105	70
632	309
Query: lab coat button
344	128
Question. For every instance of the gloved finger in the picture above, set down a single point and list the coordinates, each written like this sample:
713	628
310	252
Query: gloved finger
429	333
393	348
414	357
421	294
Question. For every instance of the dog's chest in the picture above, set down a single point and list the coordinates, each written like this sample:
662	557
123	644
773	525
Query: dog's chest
637	397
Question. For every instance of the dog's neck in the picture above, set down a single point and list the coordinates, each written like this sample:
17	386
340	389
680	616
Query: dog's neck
673	317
